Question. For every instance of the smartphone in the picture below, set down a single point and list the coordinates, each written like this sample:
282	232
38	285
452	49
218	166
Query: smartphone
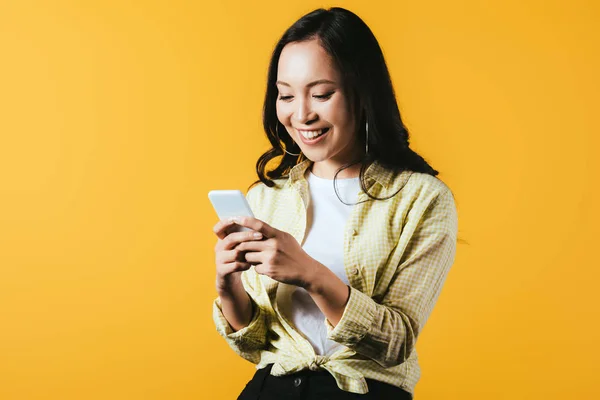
231	203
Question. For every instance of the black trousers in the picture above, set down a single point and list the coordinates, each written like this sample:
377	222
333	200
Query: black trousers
309	385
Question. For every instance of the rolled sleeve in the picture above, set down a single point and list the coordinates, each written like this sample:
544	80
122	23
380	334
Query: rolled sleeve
249	341
253	332
386	332
356	320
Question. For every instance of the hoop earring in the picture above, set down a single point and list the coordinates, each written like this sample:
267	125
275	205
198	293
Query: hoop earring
367	139
277	133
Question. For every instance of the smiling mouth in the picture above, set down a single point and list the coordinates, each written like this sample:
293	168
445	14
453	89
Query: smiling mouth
311	135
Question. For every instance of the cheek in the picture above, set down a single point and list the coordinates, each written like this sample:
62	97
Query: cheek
338	114
282	114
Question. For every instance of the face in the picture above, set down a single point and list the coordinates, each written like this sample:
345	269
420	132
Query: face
313	107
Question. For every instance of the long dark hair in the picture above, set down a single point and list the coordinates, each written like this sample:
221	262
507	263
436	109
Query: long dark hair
366	79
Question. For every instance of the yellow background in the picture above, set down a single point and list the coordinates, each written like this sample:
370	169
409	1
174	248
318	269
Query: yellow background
117	118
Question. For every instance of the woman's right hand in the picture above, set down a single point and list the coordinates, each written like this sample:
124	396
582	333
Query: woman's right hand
230	261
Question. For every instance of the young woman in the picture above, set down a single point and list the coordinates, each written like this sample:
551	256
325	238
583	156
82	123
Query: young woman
353	236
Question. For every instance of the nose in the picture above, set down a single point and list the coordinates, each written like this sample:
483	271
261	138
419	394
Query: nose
304	112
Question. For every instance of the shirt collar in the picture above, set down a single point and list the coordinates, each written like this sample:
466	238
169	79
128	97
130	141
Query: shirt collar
375	172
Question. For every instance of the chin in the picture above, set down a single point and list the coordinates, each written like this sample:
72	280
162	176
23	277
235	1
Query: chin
316	156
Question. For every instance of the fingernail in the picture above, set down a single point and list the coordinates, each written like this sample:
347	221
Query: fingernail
234	219
257	235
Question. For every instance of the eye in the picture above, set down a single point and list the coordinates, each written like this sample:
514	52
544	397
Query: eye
323	96
285	98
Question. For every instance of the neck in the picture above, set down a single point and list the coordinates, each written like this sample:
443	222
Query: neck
327	170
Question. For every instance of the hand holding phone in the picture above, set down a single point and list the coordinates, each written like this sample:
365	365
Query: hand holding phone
230	203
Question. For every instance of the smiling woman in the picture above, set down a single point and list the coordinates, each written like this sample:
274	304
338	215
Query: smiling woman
328	71
314	108
329	300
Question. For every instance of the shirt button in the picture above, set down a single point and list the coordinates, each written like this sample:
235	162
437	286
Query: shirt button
354	271
297	382
354	232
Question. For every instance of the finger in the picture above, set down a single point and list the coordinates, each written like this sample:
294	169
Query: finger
254	245
254	257
260	269
232	267
257	225
220	228
228	256
234	239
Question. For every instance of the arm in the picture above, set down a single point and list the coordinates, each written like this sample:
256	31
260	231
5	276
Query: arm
387	332
235	303
237	316
328	292
250	339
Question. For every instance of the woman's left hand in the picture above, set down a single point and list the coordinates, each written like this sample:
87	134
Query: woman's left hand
278	255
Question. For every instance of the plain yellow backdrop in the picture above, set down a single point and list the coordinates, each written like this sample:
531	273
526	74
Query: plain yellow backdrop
117	118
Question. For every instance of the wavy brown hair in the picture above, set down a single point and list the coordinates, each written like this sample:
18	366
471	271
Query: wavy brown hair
358	56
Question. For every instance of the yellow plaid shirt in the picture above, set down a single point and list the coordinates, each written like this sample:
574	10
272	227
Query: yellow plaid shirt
397	254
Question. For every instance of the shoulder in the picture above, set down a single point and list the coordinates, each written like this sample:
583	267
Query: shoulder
262	197
260	190
431	198
426	188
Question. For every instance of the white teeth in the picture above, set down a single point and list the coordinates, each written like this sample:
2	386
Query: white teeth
311	134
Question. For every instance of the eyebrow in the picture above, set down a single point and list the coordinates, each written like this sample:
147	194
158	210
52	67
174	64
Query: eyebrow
317	82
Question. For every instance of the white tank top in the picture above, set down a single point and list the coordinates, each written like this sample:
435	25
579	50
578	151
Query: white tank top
324	242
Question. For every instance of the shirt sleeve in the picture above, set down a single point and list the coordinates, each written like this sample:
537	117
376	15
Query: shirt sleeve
386	332
250	340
